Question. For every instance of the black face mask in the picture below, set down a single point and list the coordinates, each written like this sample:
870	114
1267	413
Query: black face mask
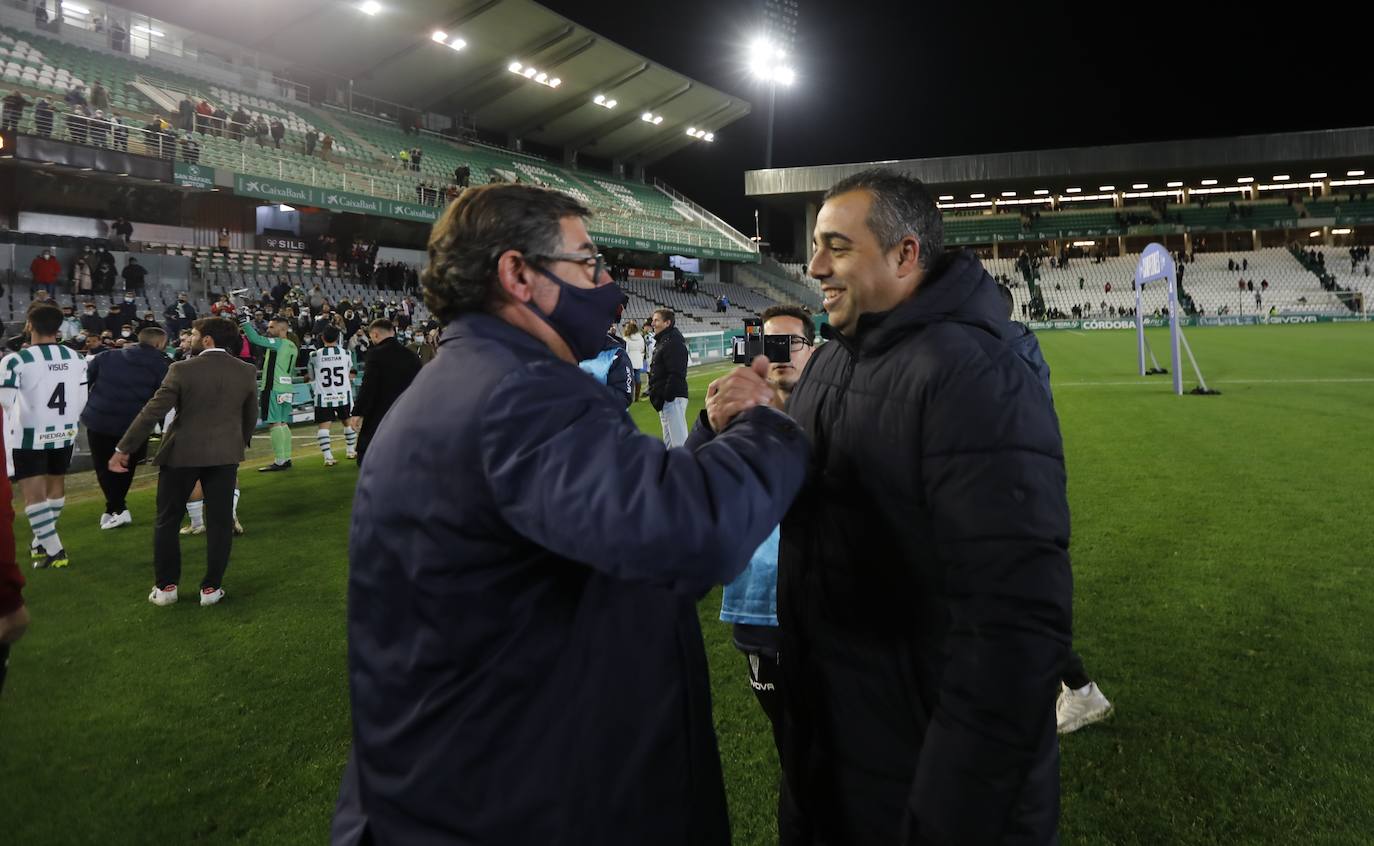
582	315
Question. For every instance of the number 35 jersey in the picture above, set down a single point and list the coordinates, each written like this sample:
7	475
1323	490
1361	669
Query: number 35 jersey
329	368
44	388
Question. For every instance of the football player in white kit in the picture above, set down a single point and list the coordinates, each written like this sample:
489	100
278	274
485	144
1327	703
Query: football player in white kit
43	389
333	389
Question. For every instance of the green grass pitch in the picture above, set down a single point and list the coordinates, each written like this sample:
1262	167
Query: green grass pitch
1221	550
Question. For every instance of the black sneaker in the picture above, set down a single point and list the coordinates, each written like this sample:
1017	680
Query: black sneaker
274	467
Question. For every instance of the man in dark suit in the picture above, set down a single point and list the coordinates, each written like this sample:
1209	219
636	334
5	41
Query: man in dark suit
390	370
216	399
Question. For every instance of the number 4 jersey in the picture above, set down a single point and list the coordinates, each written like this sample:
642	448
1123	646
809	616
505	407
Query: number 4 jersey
329	368
44	389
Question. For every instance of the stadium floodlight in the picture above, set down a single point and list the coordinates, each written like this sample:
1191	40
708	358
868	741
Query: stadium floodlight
976	196
457	43
1342	231
1317	175
1140	186
710	137
1085	243
1282	177
1008	193
514	67
541	77
156	33
284	207
1106	187
946	197
1354	173
75	9
555	82
440	36
650	117
1246	180
1317	233
1040	192
1209	182
529	73
1174	185
370	7
1072	190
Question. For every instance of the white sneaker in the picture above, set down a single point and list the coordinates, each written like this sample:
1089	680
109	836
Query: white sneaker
1079	708
351	454
123	518
165	595
209	596
193	530
105	520
330	462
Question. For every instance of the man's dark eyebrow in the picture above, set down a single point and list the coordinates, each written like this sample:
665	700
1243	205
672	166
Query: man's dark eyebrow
826	236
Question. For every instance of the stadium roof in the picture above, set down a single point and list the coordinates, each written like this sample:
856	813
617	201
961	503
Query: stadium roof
392	55
1296	156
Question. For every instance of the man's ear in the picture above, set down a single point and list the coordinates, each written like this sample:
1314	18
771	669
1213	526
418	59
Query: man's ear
512	272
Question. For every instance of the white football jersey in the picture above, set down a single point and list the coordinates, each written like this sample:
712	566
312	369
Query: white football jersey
44	389
329	368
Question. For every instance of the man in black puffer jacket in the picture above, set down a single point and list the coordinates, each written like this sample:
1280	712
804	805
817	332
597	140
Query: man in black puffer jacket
924	585
121	382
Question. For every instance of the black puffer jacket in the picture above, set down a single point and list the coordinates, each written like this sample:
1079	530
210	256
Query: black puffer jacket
924	584
121	381
668	369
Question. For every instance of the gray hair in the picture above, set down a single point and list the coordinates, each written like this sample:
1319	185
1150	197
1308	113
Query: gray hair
901	206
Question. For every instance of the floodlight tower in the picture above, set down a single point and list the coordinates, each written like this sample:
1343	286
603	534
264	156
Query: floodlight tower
770	63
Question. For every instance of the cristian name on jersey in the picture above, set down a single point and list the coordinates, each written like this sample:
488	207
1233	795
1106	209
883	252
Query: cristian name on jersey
329	368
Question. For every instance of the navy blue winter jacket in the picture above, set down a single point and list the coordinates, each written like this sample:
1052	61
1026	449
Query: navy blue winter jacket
525	661
924	587
121	382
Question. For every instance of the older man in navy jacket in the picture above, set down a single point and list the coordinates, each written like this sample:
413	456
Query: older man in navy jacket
525	662
121	381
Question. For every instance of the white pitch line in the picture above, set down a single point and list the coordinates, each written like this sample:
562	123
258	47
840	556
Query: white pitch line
1219	382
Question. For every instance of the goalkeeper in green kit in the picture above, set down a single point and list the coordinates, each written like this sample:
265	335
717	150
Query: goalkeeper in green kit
275	386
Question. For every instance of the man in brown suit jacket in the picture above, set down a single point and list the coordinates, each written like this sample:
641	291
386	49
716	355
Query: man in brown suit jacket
216	400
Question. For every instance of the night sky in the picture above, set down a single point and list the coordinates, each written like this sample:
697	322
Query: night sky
895	80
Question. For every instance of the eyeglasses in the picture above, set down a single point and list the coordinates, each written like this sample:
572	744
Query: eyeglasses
598	261
797	343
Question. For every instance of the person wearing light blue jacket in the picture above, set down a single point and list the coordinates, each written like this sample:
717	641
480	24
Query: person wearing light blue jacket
750	602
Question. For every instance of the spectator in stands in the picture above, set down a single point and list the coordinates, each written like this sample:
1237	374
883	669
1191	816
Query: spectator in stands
134	275
1244	264
668	377
261	131
186	115
190	150
40	14
238	122
82	273
358	343
98	129
149	321
353	323
415	155
14	106
78	127
123	231
91	323
76	96
44	270
312	137
43	117
327	147
114	320
279	292
119	37
180	314
222	244
404	158
105	272
204	112
71	325
278	130
100	98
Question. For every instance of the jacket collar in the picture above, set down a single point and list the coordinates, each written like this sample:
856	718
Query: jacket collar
956	290
484	326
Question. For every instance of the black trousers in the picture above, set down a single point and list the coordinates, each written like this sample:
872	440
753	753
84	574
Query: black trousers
114	485
1074	675
174	486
